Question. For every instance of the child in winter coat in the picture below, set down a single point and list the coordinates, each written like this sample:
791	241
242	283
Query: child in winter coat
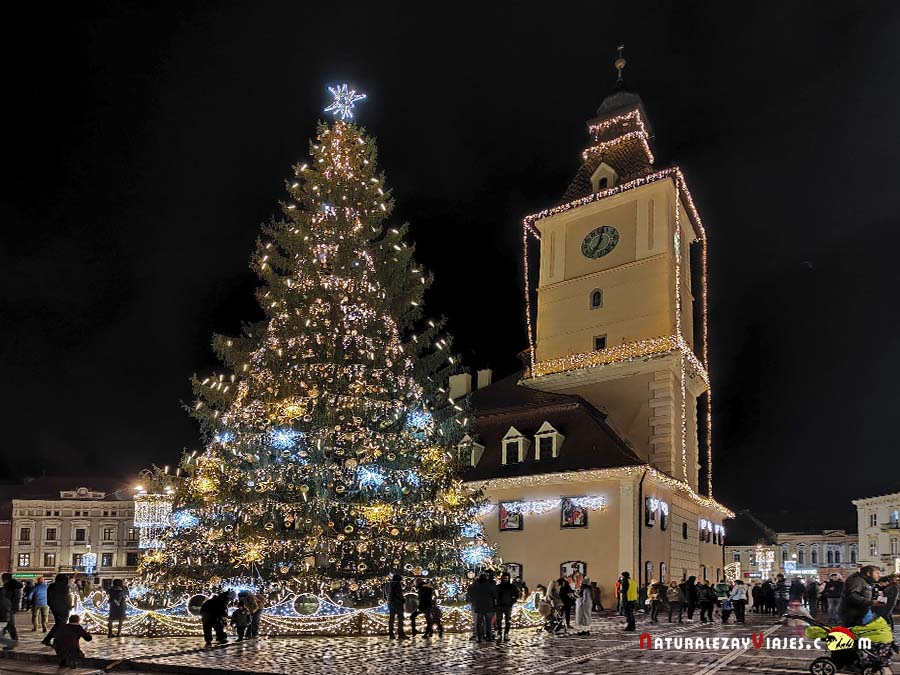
66	642
240	619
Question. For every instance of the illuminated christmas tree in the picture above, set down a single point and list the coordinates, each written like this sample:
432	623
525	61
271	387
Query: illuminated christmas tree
329	460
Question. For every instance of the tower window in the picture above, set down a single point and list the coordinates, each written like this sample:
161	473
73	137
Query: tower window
603	183
596	298
599	342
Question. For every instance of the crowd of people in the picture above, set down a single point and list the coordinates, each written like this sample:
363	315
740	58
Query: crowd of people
568	598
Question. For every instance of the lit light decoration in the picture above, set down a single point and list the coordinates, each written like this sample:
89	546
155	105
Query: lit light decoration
765	560
284	438
89	562
369	477
151	517
137	591
472	530
184	518
541	506
451	589
664	507
733	571
419	420
413	478
477	554
344	101
654	504
224	437
593	475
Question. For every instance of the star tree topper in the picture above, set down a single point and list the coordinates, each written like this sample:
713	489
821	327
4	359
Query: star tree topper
344	98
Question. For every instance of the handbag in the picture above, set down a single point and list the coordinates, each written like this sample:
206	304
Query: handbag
727	606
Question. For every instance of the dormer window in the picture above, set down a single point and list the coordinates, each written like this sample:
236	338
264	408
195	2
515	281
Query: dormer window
604	177
470	452
596	299
514	447
548	442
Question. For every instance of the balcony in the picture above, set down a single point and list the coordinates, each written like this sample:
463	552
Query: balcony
890	525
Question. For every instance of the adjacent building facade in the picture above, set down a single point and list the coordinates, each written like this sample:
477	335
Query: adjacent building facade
756	551
597	457
878	519
74	525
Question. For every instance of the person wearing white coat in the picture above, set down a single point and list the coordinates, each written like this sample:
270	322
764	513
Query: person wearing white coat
584	602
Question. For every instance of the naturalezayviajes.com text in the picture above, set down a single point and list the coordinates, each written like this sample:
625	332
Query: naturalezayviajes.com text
755	641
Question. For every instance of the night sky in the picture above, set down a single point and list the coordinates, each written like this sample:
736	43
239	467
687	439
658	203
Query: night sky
143	147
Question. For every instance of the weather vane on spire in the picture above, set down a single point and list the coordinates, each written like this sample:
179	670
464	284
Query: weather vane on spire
620	63
344	100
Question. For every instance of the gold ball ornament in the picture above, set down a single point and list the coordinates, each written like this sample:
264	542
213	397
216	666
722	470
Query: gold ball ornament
470	574
268	527
394	531
348	529
215	581
362	567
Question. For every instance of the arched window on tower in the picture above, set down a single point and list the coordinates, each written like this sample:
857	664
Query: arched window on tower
603	183
596	298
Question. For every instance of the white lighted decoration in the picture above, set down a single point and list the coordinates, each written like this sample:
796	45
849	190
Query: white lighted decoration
537	507
654	504
664	507
344	100
151	517
89	562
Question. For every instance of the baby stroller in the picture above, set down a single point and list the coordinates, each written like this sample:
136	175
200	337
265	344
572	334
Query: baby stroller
869	661
553	619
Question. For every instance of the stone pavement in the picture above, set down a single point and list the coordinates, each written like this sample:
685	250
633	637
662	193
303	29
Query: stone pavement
606	651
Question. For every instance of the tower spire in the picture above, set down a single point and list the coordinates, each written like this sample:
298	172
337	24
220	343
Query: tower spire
620	66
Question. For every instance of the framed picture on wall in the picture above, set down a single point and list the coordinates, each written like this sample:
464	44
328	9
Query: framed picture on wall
510	520
572	515
513	569
572	567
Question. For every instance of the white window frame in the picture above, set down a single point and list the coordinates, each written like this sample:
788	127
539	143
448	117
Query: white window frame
547	430
873	519
26	556
514	441
469	451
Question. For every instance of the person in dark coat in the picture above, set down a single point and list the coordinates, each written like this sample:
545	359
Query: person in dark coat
483	595
395	602
507	594
756	594
214	615
117	599
425	605
13	590
856	600
567	595
890	591
782	593
834	589
60	601
797	591
26	595
5	612
66	643
706	598
690	596
812	596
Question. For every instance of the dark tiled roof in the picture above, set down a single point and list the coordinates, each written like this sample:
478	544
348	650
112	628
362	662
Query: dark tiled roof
49	487
590	443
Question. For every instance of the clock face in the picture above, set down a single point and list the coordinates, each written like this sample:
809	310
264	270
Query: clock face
600	241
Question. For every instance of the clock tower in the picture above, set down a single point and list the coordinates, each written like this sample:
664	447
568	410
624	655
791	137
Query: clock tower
620	311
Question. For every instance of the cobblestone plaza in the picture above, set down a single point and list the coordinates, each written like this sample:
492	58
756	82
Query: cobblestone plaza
607	650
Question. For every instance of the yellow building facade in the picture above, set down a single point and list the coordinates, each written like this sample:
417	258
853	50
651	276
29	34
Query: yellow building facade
611	419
